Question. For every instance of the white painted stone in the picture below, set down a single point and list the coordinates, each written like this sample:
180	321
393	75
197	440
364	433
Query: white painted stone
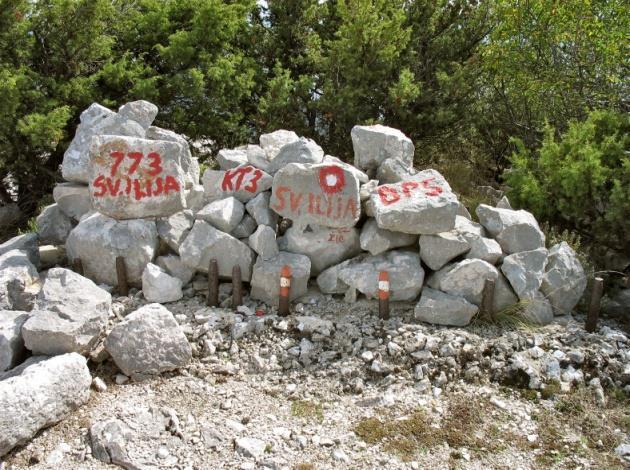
377	240
514	230
189	164
375	144
98	240
564	281
265	284
244	183
159	286
224	214
439	308
73	199
361	176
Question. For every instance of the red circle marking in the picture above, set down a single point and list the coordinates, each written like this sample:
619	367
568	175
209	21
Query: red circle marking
331	179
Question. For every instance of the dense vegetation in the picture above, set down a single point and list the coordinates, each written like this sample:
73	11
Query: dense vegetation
471	82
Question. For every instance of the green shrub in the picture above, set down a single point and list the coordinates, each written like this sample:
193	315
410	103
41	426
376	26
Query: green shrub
580	182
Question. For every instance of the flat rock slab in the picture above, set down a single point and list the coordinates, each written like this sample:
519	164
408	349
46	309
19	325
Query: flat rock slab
266	278
244	183
375	144
440	308
134	178
147	342
39	394
424	204
324	194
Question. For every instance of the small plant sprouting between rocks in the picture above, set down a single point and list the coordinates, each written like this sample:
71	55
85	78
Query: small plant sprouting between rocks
308	410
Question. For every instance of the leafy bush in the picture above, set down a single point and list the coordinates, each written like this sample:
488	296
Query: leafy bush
581	181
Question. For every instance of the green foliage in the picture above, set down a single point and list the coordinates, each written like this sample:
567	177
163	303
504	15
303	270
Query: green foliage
581	181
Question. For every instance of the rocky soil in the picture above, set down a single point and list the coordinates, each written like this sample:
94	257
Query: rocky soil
332	386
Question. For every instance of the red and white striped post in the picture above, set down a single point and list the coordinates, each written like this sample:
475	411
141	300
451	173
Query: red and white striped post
285	287
383	295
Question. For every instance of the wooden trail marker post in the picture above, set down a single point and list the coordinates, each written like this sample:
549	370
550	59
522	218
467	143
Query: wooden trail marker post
213	284
285	287
487	300
121	274
237	287
383	295
595	304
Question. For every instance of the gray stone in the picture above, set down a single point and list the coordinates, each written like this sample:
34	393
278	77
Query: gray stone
525	271
148	341
73	199
465	279
245	228
40	395
224	214
483	248
53	226
12	349
231	158
504	203
393	170
204	242
257	157
132	177
361	177
109	440
437	250
423	205
375	144
564	280
462	211
159	286
504	296
189	164
69	315
514	230
272	142
304	151
173	265
439	308
265	285
19	281
259	209
98	240
377	240
405	274
325	195
244	183
467	227
96	120
141	111
251	447
174	229
29	243
330	283
366	190
263	242
537	309
324	246
195	197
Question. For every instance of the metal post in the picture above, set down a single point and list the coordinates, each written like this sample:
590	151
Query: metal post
285	287
237	287
121	273
383	295
213	284
593	309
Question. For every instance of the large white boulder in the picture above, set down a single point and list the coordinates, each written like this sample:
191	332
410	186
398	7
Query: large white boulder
147	342
231	158
439	308
437	250
394	170
53	226
564	281
324	194
98	240
174	229
265	283
19	281
29	243
301	151
405	274
377	240
69	315
204	242
330	283
12	349
514	230
465	279
141	111
131	177
324	246
375	144
73	199
424	204
159	286
525	271
189	164
272	142
224	214
39	394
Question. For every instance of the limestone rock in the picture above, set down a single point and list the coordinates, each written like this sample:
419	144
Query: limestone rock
377	240
98	240
256	156
272	142
69	315
245	228
525	271
439	308
231	158
514	230
132	177
405	274
423	205
504	296
159	286
43	393
437	250
109	440
174	229
465	279
29	243
53	226
259	209
141	111
224	214
375	144
148	341
564	281
204	242
324	194
189	164
537	309
394	170
504	203
174	266
330	283
195	197
483	248
324	246
361	177
244	183
366	190
12	349
301	151
265	285
263	242
19	281
73	199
